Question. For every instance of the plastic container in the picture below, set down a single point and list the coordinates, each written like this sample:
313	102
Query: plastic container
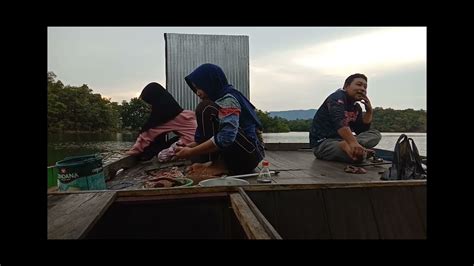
81	173
223	181
52	176
264	176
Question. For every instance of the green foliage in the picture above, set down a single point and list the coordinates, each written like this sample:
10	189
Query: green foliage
300	124
78	109
275	124
73	108
384	120
134	114
389	120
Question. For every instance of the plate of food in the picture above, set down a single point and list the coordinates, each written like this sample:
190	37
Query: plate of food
223	181
171	172
169	177
167	182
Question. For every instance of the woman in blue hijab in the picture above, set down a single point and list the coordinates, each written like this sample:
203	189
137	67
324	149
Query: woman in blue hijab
228	130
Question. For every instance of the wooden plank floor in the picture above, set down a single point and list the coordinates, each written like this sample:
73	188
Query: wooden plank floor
71	216
295	167
303	168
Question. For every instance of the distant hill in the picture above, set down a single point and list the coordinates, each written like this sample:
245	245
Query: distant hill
294	114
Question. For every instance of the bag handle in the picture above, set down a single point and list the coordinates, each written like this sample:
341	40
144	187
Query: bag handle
396	150
416	154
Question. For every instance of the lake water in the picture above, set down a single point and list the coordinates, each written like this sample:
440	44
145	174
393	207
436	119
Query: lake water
387	142
113	146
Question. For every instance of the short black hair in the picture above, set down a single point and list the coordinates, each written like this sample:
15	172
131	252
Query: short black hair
349	79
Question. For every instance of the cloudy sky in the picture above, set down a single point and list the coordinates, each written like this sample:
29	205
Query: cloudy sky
290	67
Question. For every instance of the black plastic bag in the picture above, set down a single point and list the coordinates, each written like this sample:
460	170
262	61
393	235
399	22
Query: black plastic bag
406	162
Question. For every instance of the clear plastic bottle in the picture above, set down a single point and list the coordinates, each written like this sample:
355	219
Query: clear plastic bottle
264	176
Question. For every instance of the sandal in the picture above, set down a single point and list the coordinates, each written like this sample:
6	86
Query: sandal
370	153
373	157
377	160
354	170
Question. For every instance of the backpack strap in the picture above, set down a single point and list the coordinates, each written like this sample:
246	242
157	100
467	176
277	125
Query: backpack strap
416	157
393	172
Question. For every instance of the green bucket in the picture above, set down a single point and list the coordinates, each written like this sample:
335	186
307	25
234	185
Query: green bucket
81	173
52	176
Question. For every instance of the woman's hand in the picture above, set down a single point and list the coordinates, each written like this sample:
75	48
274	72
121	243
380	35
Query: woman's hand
192	144
183	152
132	152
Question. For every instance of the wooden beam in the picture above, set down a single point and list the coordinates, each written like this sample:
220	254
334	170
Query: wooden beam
369	184
110	170
173	191
72	215
252	187
171	197
252	227
286	146
261	218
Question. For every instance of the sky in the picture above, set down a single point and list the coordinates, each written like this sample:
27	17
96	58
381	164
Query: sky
290	67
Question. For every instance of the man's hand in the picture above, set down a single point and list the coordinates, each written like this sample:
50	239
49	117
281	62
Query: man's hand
357	151
367	118
365	101
354	150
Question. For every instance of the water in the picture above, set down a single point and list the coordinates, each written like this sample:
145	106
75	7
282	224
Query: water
389	139
387	142
113	146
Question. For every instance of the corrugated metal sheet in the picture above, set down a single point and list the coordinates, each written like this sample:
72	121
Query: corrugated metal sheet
185	52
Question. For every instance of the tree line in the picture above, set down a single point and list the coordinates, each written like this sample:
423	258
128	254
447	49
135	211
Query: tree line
77	108
384	120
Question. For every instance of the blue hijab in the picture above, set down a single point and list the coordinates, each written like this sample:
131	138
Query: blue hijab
212	80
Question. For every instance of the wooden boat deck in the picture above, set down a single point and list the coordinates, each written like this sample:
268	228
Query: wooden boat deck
375	210
329	204
294	163
301	167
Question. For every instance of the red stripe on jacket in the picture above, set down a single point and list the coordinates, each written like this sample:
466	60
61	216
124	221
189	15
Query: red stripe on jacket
228	111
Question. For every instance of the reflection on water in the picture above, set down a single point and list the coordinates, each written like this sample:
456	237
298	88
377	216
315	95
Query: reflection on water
110	145
90	137
113	145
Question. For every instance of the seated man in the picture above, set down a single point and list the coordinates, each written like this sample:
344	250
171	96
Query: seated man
331	135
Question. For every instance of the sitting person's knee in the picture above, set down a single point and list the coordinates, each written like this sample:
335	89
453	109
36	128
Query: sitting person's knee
371	139
377	134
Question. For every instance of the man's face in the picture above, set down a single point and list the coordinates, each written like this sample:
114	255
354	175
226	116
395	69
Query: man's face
357	90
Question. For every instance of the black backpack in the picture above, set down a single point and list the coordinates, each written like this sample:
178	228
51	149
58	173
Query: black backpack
406	162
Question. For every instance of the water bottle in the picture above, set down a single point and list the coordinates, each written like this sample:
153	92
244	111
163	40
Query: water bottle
264	176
